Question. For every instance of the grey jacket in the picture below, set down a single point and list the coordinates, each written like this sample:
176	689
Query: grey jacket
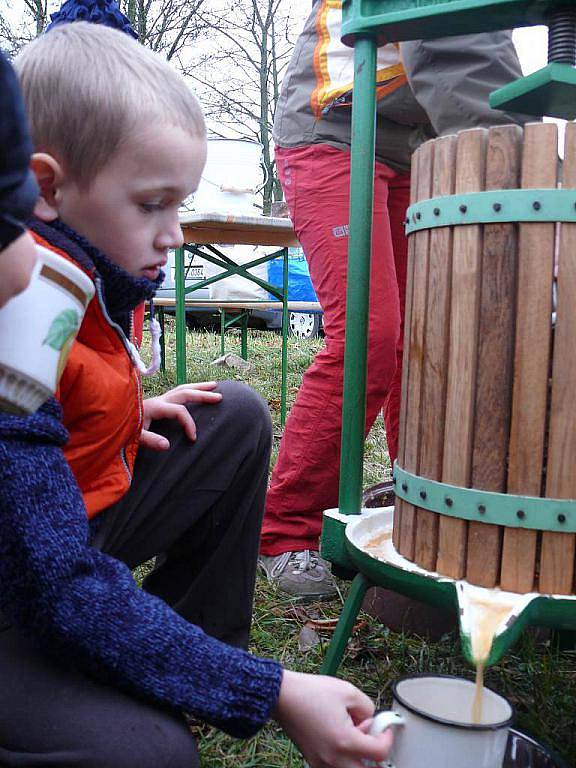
425	88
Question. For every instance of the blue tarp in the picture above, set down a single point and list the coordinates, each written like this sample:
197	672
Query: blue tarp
299	284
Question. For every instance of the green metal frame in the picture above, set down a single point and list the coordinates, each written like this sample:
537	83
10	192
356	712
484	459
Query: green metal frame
358	280
398	20
513	511
367	23
543	611
551	91
213	254
493	207
230	319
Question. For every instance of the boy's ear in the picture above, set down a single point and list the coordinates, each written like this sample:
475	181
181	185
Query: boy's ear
49	175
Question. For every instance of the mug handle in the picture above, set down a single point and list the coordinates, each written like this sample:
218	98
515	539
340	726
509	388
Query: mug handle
380	723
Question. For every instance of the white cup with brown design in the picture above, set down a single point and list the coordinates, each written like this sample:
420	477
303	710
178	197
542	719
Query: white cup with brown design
436	728
37	330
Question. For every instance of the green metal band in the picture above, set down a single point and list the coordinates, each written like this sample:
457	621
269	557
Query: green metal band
493	207
506	509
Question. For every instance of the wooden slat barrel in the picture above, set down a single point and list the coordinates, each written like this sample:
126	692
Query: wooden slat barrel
488	400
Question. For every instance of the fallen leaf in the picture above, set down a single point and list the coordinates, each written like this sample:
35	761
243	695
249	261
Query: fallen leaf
329	625
307	639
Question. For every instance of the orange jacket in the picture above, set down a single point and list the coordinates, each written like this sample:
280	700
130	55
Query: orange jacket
101	397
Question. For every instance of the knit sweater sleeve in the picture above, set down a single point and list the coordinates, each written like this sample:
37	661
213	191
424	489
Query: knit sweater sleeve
84	605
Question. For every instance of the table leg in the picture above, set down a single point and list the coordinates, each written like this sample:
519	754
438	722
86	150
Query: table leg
180	317
244	335
222	330
160	311
284	373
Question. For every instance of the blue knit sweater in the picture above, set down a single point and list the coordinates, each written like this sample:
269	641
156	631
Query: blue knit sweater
80	604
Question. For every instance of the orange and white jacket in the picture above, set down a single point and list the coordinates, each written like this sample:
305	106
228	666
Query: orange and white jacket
101	398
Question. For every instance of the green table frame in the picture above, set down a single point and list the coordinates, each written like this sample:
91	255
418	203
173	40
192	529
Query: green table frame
202	234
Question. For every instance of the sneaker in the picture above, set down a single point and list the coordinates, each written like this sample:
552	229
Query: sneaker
301	574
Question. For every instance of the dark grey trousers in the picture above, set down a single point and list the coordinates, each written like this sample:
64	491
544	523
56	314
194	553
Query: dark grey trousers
197	507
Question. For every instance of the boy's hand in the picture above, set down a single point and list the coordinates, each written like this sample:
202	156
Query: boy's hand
328	720
172	405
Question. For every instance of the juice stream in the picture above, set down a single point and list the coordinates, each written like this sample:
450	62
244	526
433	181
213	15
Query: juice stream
488	616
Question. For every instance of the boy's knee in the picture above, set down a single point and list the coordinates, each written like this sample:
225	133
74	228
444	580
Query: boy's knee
245	406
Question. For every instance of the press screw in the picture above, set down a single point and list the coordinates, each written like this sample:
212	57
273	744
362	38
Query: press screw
405	487
536	205
497	207
520	514
423	494
436	211
448	501
561	518
418	215
482	509
463	208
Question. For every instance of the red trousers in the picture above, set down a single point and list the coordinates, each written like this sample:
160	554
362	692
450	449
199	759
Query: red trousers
316	183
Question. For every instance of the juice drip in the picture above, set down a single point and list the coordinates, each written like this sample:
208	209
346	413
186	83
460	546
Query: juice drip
477	703
487	616
377	544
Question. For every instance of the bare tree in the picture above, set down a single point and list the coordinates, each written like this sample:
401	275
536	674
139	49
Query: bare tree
239	74
22	21
166	26
235	51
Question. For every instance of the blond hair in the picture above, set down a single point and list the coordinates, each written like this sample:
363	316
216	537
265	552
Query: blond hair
87	87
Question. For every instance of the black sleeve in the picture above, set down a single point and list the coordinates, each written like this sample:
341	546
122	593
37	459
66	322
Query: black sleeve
18	188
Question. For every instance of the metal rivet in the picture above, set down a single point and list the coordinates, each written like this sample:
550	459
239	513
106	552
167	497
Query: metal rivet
404	487
536	205
482	509
448	501
436	211
520	514
423	495
561	518
418	215
497	207
463	208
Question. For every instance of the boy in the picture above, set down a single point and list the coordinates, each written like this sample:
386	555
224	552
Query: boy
18	190
95	671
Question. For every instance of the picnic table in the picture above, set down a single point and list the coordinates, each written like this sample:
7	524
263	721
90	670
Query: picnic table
203	233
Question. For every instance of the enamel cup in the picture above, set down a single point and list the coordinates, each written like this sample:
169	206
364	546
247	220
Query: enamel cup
37	329
433	715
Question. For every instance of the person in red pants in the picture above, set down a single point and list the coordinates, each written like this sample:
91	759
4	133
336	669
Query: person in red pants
424	89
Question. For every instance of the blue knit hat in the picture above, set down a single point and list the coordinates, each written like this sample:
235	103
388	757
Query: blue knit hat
96	11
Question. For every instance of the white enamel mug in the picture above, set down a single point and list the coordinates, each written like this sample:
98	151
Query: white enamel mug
435	730
37	329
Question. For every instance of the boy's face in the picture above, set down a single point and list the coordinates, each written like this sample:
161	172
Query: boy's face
130	210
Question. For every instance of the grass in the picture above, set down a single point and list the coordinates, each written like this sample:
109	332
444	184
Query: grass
538	680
